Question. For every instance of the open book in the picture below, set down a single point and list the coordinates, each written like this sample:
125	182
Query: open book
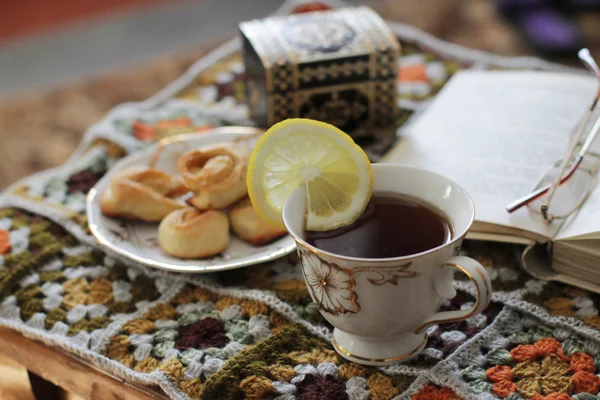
495	133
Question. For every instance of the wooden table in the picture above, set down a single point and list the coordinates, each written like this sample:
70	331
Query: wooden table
52	371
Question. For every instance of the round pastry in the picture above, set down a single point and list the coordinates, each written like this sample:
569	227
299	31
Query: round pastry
142	193
217	174
189	233
250	227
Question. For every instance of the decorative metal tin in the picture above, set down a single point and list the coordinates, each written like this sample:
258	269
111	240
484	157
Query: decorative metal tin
337	66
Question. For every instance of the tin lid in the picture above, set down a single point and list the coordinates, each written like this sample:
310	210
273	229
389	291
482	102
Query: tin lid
317	36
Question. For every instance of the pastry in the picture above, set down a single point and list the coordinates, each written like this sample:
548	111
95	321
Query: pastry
250	227
142	193
189	233
216	173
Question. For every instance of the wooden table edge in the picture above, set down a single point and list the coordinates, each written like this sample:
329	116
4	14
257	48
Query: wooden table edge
69	372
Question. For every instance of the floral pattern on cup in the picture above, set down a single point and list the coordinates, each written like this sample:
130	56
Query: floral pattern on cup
389	274
331	286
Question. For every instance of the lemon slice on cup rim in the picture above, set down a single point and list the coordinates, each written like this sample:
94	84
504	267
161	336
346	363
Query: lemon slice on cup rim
335	171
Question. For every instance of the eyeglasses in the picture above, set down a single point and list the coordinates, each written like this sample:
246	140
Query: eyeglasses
571	194
571	179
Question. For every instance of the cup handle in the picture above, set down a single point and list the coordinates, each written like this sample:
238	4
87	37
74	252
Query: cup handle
478	275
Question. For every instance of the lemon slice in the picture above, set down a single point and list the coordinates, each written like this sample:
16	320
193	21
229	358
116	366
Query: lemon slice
335	171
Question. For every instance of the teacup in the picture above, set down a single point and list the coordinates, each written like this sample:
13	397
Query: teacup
381	307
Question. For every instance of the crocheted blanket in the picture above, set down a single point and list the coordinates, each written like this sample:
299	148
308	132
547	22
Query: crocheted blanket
254	332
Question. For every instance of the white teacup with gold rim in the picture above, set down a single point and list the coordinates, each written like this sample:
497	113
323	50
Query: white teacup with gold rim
381	307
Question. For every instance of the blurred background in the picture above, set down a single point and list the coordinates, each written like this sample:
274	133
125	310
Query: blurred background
64	63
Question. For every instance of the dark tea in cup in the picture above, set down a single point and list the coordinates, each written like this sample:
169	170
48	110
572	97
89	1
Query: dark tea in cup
392	225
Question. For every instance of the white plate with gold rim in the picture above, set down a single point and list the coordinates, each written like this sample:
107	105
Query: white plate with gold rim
138	241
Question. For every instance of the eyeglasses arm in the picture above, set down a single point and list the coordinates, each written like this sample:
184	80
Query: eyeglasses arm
531	197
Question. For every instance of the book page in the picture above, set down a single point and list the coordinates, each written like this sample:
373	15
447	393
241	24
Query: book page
586	223
495	133
590	247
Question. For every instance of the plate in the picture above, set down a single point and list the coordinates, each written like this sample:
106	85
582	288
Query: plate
138	241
